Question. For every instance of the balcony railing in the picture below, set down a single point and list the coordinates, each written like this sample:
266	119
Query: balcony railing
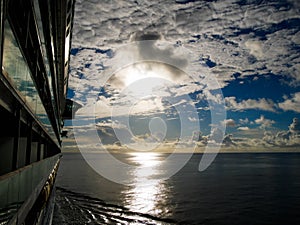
20	189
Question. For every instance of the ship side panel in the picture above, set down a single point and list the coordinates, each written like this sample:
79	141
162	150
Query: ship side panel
34	64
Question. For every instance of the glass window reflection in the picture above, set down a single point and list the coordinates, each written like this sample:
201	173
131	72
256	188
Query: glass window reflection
18	74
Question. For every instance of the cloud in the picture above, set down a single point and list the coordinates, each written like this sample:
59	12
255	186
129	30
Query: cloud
209	96
110	123
142	36
295	126
229	122
264	123
227	141
243	128
268	140
230	34
261	104
289	138
193	119
106	131
255	48
292	104
289	104
216	135
244	121
222	38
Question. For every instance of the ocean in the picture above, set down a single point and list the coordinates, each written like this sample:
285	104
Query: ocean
237	188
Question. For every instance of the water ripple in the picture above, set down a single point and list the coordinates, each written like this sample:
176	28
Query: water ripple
75	208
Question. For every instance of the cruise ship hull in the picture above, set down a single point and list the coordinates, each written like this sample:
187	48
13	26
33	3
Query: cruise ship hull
35	37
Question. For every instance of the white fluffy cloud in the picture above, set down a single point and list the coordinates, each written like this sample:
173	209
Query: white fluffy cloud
263	122
222	37
268	140
292	103
243	128
290	138
261	104
205	29
255	48
229	122
244	121
289	104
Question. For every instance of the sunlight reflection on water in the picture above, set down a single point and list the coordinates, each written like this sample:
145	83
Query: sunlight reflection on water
147	194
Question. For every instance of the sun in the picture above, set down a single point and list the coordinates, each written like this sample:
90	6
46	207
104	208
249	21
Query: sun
142	70
133	74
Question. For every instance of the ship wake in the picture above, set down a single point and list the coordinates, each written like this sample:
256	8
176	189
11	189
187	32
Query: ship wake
75	208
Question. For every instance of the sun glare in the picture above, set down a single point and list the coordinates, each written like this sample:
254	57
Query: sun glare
136	72
145	159
146	191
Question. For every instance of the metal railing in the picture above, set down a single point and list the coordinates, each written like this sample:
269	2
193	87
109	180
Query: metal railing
19	189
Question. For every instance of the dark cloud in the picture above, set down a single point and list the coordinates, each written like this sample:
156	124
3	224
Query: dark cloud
201	139
172	62
107	135
184	1
115	81
295	126
282	135
148	50
142	36
227	141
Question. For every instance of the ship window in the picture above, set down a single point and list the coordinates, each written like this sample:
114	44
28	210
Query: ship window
18	73
38	17
17	69
13	63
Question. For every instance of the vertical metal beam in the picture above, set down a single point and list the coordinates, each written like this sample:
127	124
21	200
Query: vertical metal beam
46	147
2	13
29	140
16	138
38	157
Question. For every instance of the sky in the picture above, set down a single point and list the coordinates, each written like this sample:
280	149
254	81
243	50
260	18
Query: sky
185	74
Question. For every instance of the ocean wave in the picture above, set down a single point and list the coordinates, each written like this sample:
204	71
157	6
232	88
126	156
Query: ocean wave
76	208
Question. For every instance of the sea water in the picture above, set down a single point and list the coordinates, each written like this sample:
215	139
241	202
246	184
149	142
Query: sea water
237	188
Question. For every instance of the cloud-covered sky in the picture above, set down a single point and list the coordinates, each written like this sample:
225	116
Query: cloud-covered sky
157	63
